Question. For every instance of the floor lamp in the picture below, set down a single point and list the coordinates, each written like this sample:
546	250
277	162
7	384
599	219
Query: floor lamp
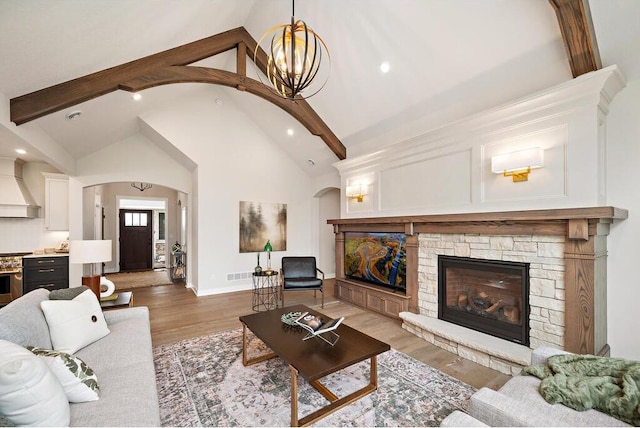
90	251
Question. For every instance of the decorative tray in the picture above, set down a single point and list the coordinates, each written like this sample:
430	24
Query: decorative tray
290	318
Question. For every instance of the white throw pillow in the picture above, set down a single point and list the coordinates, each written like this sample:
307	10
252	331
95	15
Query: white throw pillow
79	382
74	324
30	394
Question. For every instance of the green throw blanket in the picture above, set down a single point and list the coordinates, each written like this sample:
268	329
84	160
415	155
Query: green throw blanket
610	385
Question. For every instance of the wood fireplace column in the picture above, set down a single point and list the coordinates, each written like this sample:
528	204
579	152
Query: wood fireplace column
412	270
586	286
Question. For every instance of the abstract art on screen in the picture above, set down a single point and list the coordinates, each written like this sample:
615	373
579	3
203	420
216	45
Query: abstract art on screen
261	222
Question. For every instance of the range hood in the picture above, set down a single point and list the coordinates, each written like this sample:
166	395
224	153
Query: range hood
15	199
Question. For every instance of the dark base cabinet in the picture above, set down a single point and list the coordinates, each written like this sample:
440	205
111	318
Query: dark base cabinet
50	272
372	297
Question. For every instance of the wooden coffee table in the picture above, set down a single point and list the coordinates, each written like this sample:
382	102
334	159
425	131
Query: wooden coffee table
312	359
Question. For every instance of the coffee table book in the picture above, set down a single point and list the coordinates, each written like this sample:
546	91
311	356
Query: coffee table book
110	297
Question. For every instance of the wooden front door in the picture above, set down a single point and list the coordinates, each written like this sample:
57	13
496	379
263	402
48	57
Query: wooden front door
136	237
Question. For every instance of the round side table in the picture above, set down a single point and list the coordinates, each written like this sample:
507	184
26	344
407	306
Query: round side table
265	290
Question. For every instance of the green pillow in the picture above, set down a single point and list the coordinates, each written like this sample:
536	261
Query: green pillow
67	293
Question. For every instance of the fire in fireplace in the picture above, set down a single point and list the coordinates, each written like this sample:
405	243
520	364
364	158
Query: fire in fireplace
490	296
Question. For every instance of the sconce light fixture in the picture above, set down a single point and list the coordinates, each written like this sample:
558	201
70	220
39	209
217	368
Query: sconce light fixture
357	192
518	164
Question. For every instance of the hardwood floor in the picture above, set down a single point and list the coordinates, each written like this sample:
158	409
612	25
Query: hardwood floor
177	314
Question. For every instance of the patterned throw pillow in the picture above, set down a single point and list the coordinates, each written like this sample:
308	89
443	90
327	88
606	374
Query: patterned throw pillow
78	380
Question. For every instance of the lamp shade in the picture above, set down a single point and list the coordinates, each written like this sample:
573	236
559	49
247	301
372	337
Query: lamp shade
514	161
90	251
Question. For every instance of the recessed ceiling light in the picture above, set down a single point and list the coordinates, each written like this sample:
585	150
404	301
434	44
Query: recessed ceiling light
219	101
311	162
74	114
21	151
290	132
385	67
136	96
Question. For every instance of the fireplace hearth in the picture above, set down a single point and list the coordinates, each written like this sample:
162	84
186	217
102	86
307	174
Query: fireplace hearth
490	296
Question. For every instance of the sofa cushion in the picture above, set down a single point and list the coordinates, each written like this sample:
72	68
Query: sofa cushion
23	322
67	293
74	324
123	362
30	394
525	389
78	379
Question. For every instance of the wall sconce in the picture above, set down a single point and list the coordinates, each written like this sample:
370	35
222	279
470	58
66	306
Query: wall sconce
357	192
519	164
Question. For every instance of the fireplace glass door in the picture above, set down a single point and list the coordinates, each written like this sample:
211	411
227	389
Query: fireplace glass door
490	296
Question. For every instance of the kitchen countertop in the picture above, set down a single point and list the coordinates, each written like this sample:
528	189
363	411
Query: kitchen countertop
32	256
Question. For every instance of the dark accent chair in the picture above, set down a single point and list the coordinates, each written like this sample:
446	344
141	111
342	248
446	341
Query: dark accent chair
300	273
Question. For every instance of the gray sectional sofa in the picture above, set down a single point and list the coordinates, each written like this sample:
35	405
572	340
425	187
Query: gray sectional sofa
518	403
122	361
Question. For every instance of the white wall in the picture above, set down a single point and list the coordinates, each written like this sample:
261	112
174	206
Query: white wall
448	170
329	208
623	158
236	162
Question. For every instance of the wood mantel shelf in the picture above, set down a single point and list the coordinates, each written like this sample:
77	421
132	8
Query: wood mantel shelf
526	215
585	255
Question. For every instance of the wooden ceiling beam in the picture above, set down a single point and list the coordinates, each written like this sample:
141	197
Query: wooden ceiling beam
299	109
40	103
168	67
578	34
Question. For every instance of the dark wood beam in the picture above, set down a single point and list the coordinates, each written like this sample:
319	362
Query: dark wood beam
576	26
168	67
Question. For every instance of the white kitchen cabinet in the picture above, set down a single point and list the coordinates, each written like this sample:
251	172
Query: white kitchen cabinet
56	201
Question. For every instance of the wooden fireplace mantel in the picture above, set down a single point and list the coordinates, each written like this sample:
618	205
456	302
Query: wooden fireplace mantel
585	231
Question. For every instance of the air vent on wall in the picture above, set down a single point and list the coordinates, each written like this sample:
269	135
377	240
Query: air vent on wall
239	276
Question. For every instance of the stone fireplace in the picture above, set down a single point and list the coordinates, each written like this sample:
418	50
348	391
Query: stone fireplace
565	251
490	296
538	260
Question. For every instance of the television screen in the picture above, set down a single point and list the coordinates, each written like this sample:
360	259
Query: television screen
376	257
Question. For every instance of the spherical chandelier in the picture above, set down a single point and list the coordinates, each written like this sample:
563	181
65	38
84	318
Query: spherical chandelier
295	58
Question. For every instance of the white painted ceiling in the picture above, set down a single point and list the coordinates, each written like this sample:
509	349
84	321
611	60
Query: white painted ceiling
449	59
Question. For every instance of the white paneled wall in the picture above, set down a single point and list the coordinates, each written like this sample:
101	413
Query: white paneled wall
448	170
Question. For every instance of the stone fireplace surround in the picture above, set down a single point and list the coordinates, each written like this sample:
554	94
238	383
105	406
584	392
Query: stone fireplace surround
546	295
567	249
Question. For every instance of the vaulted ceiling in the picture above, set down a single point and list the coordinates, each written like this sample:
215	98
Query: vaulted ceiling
448	59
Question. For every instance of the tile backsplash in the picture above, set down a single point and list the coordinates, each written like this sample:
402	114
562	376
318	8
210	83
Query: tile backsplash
27	235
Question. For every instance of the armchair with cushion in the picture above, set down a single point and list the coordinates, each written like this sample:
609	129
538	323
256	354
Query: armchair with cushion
300	273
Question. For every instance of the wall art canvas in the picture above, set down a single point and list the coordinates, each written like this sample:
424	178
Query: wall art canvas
261	222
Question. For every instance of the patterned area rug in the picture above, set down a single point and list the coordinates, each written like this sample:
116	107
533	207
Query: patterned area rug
202	382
